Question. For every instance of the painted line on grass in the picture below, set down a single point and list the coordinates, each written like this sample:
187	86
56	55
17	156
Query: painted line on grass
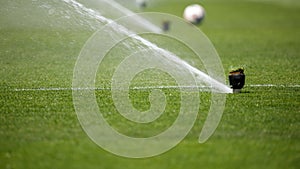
273	85
106	88
295	3
149	87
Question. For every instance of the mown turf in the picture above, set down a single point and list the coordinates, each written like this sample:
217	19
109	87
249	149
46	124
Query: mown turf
259	129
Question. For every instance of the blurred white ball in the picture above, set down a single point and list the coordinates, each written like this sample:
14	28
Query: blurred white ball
194	13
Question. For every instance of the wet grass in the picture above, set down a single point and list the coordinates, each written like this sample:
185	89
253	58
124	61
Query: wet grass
259	129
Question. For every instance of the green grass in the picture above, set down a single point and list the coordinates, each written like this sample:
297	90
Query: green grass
259	128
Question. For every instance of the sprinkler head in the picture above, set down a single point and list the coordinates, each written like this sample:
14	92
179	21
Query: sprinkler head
237	80
141	3
166	25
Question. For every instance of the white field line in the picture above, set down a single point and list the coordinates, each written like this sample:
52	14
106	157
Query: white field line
107	88
279	2
273	85
148	87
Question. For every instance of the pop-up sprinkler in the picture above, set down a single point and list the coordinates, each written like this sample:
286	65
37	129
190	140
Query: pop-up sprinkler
166	25
237	79
141	3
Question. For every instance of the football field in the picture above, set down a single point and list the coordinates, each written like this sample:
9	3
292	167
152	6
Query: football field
260	127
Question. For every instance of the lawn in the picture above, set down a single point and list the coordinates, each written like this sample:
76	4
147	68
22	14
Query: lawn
260	127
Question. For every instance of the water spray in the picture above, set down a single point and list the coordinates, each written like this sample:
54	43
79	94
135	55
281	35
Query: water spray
120	30
141	54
